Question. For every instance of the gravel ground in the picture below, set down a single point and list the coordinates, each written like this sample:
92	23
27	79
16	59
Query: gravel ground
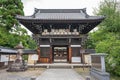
4	75
26	75
84	72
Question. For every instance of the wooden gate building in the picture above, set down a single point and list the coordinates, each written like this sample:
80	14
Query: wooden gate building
60	33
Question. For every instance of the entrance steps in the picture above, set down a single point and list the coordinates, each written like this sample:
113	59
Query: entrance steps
59	65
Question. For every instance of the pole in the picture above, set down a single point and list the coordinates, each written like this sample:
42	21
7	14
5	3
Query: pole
82	51
83	60
34	64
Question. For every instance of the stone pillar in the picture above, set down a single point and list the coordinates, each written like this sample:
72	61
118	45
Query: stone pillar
98	67
98	58
103	63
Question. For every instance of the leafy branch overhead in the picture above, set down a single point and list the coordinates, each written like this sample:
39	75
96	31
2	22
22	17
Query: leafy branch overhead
9	9
11	33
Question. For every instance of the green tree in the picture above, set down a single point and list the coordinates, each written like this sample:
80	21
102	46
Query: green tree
107	38
11	33
8	10
111	47
110	10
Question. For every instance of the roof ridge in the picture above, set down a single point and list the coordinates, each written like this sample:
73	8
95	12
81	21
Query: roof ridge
59	10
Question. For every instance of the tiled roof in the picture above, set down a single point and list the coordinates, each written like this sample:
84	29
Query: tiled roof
59	14
56	16
60	10
29	51
4	50
7	50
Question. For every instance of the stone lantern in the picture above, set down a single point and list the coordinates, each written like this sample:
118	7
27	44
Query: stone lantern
19	48
19	63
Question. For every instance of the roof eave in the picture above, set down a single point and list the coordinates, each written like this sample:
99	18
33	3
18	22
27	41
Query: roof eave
30	18
61	20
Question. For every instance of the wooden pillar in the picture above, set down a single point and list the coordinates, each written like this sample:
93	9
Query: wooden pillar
38	52
70	54
50	55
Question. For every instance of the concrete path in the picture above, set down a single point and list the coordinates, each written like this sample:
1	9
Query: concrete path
60	74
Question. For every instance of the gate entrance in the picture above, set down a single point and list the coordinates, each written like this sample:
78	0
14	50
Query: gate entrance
60	54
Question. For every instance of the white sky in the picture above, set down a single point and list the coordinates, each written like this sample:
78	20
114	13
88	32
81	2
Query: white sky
29	5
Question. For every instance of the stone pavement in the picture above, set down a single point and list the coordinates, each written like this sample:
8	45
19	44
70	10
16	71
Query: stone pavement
60	74
20	75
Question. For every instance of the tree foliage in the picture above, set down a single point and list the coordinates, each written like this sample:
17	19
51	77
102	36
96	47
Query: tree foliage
13	38
9	9
110	46
110	10
11	33
107	38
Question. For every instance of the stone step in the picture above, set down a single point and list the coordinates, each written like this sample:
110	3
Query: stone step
60	66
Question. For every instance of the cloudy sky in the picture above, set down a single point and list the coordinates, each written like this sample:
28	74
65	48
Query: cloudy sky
29	5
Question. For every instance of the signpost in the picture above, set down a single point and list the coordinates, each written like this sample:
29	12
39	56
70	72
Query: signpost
82	51
35	58
76	59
